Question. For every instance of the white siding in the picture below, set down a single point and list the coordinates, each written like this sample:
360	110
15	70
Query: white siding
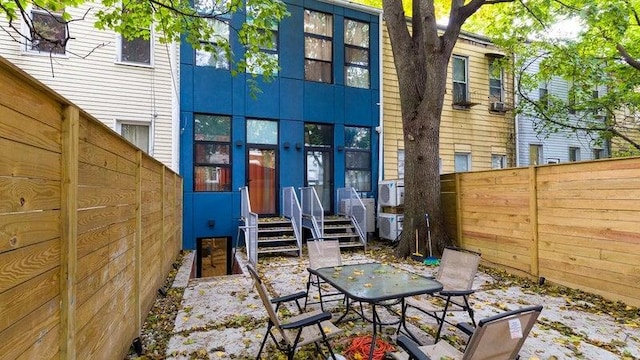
556	145
104	88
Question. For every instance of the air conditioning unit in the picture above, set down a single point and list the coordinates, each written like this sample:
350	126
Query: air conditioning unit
498	106
390	225
391	193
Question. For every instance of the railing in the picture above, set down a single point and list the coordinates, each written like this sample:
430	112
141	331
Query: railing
250	228
312	209
350	205
291	209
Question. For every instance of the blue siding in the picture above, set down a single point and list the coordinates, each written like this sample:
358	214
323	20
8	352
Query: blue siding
289	99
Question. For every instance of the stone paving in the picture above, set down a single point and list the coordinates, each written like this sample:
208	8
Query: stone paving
223	318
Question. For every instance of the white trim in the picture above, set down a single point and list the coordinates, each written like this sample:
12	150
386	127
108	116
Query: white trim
26	43
133	63
149	123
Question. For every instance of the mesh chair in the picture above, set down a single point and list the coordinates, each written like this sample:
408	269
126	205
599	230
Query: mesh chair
498	337
306	328
322	253
457	271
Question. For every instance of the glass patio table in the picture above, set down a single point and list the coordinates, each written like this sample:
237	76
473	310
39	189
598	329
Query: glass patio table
375	284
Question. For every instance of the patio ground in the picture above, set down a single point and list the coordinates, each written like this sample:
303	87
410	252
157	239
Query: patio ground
223	318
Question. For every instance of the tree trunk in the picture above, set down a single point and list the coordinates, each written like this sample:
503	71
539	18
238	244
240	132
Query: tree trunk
421	127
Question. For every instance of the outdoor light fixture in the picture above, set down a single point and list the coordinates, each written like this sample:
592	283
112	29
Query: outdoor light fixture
286	145
239	143
298	146
340	148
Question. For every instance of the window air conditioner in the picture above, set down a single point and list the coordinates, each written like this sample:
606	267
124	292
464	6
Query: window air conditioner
498	106
391	193
390	225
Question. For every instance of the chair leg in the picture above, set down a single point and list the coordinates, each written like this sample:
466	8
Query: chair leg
469	310
326	342
442	320
264	341
306	299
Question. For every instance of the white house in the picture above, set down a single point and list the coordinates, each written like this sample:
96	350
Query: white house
131	86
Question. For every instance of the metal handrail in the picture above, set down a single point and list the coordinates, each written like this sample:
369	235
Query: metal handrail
350	205
250	227
312	209
291	209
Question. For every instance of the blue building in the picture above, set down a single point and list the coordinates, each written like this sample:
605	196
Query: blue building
315	124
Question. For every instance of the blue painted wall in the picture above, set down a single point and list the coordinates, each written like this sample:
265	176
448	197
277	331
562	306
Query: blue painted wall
289	99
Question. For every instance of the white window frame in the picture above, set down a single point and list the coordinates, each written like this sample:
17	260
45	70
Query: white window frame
27	44
466	80
150	124
503	161
467	155
574	153
119	60
492	64
540	159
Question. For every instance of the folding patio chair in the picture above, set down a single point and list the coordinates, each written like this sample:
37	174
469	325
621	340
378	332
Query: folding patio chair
322	253
458	268
498	337
290	335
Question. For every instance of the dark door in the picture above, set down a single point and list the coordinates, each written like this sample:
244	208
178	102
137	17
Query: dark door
319	162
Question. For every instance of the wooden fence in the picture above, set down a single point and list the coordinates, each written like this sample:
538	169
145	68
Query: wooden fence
576	224
89	228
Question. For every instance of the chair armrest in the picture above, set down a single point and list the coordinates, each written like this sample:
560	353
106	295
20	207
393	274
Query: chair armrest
287	298
466	328
411	348
315	319
456	292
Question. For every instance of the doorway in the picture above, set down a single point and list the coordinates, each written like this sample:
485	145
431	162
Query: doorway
318	141
212	257
262	166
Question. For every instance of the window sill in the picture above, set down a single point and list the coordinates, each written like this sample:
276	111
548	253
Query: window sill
44	54
464	106
133	64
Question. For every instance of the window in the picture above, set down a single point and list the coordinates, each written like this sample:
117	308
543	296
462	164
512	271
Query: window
401	164
535	154
136	50
50	35
495	81
462	162
136	133
597	154
543	97
268	51
498	161
357	144
460	83
597	111
215	51
212	155
574	153
356	53
318	46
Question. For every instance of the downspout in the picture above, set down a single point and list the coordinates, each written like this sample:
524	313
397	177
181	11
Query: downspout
380	128
516	118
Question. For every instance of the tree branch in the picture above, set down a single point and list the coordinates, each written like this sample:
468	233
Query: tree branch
628	58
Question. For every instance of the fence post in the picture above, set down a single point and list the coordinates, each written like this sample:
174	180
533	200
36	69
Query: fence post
533	216
163	241
138	239
69	231
458	209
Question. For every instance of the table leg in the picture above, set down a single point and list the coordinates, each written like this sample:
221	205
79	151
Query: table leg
375	327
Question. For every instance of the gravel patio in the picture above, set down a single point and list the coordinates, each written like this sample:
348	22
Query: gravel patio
223	317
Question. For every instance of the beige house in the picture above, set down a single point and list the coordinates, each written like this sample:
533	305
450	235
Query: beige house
131	86
477	128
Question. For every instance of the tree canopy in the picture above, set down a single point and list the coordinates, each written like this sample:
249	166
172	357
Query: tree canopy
593	45
169	19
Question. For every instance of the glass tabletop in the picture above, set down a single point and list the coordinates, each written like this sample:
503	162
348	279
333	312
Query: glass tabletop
374	282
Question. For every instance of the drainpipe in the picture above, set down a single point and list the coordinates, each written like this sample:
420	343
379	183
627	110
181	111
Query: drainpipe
380	100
